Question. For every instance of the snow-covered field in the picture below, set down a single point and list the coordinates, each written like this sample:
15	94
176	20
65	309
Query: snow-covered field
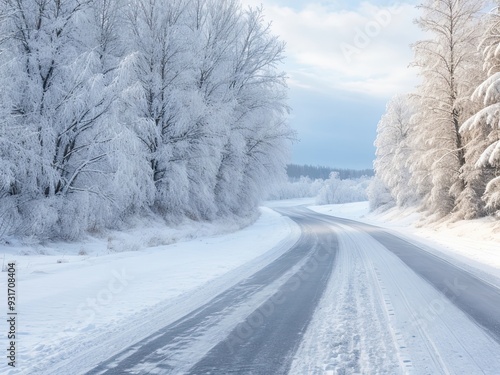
473	245
74	306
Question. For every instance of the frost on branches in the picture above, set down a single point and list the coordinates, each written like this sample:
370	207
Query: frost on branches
443	155
337	191
483	128
393	152
112	109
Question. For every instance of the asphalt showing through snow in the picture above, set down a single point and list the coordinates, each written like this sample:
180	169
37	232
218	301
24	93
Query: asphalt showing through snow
265	342
268	345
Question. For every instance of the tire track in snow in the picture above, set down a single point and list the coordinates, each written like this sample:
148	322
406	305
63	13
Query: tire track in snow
272	343
349	333
477	298
404	357
439	337
177	347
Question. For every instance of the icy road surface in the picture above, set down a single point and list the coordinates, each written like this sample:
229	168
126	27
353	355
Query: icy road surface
347	298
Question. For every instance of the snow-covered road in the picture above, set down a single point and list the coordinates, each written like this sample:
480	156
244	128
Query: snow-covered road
336	297
254	327
392	308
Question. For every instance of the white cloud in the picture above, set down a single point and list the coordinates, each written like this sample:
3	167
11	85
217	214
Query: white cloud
365	49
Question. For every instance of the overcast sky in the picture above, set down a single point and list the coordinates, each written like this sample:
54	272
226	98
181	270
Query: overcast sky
345	60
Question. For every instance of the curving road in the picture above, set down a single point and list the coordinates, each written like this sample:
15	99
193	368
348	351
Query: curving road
479	299
270	329
388	307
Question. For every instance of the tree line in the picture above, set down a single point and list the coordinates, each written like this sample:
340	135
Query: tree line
114	108
333	190
439	147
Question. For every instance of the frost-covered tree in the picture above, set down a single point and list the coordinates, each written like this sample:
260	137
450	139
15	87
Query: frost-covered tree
58	109
449	68
483	128
304	187
379	195
208	104
393	151
258	129
113	108
160	70
217	26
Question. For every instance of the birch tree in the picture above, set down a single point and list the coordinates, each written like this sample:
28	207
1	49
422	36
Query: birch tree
393	151
449	69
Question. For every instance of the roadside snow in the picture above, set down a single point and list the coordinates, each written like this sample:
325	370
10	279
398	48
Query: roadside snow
67	308
473	245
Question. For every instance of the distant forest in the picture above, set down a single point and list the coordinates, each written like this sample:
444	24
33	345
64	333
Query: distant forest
295	171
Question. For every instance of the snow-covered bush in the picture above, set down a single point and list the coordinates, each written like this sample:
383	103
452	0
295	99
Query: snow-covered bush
336	190
330	191
304	187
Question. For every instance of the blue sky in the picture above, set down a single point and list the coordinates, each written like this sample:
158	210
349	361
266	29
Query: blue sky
345	60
